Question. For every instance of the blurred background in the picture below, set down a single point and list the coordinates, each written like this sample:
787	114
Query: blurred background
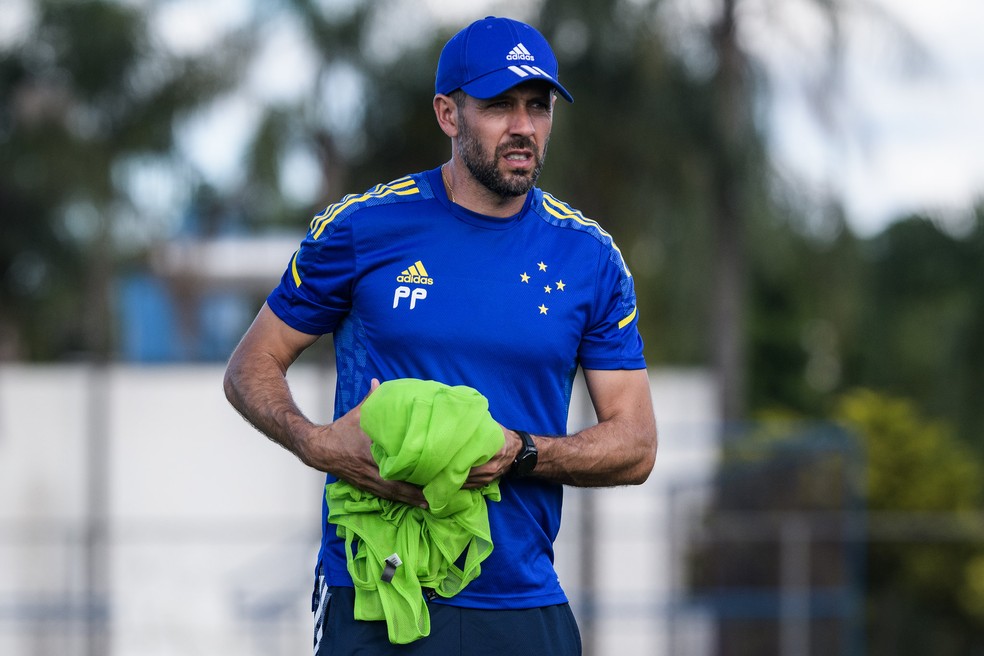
796	185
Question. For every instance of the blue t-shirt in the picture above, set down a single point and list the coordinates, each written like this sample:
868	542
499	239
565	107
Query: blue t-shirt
414	286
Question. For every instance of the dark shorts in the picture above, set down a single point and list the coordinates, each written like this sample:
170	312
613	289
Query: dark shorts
454	631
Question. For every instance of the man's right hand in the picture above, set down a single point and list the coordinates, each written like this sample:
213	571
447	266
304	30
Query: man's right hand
342	449
256	386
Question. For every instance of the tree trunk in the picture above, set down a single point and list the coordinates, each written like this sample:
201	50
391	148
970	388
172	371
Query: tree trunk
728	222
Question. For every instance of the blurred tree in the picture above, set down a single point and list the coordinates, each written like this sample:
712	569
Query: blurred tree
335	38
807	300
367	114
732	168
924	593
739	168
85	95
921	329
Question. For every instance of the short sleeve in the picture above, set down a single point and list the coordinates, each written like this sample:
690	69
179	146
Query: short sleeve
612	339
315	291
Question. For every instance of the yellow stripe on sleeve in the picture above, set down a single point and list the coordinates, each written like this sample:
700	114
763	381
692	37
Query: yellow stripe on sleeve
627	320
293	269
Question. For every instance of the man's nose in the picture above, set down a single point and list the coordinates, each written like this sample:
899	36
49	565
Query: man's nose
522	122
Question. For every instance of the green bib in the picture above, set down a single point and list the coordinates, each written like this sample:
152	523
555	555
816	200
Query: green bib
431	435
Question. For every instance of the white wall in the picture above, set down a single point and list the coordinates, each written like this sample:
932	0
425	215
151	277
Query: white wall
214	529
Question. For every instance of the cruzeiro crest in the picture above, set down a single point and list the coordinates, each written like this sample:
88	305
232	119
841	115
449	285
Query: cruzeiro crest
549	283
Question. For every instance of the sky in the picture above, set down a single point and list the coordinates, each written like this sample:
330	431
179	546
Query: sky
908	134
901	134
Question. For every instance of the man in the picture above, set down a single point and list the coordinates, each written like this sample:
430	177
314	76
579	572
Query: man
468	275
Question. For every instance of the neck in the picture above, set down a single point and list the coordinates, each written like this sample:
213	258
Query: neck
464	190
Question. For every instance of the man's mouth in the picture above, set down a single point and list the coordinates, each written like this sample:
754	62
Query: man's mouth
519	159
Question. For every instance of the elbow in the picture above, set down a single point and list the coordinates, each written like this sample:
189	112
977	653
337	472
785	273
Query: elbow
229	386
646	460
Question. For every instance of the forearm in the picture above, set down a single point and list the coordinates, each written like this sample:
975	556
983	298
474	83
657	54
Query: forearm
256	385
608	454
257	388
620	449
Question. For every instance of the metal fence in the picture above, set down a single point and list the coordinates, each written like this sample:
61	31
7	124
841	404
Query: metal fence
809	600
756	542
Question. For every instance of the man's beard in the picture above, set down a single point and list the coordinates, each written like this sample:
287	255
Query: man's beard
486	170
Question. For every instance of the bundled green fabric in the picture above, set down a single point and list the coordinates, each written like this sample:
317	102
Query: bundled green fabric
431	435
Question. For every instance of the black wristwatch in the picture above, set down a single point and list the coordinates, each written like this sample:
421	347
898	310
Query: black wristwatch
526	460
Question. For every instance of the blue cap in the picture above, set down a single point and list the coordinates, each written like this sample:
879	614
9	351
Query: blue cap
493	55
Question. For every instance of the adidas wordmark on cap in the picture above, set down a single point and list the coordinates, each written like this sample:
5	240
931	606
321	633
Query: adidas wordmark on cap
493	55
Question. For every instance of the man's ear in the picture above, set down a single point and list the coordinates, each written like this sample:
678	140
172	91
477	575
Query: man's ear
446	111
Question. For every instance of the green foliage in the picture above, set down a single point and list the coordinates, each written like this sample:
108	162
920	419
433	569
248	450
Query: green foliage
93	44
902	312
918	468
913	464
921	332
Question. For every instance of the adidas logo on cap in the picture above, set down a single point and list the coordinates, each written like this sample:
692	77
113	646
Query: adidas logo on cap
519	52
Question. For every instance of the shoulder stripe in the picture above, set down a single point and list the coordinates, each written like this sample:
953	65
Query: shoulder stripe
405	186
565	212
562	210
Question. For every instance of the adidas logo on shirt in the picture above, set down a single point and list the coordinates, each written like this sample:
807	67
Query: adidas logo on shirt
416	274
519	52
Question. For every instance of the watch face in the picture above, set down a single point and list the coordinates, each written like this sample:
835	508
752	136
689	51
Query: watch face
525	463
526	460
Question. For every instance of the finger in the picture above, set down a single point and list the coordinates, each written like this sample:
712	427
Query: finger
479	477
405	493
373	386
